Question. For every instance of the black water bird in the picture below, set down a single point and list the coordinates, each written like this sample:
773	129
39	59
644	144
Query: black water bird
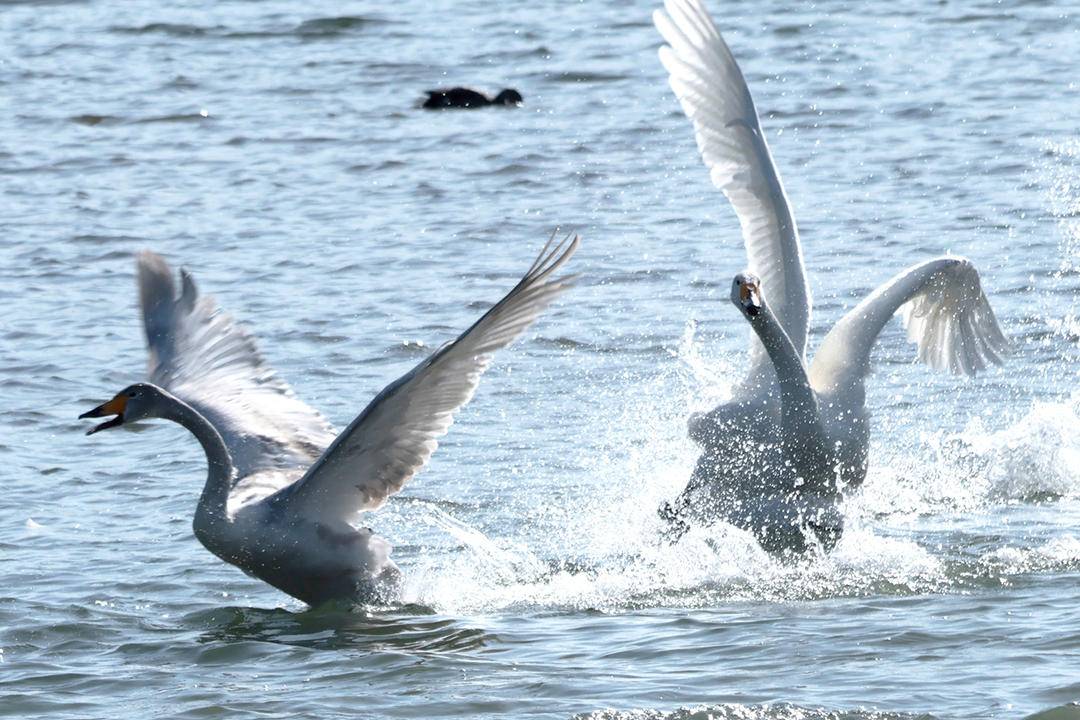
467	98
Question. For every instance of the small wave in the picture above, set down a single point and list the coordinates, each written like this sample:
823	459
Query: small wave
514	168
564	343
636	276
1058	554
91	120
407	349
332	26
368	167
315	338
106	239
789	30
585	76
540	51
164	28
976	18
195	117
1070	711
780	711
315	28
407	628
917	112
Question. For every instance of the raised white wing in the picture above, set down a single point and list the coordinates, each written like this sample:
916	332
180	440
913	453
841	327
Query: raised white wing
712	91
395	435
198	353
946	313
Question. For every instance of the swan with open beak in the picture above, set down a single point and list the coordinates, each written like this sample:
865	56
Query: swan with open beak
116	407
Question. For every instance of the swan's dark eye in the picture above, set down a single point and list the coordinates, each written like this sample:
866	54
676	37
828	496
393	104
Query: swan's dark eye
133	393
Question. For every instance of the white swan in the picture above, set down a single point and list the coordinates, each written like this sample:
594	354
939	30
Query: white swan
778	456
275	504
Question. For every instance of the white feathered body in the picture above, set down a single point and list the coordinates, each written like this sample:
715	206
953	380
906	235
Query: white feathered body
311	559
846	423
746	477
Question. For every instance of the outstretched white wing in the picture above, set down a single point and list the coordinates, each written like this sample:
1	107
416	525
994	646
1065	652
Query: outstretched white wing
198	353
946	313
714	95
395	435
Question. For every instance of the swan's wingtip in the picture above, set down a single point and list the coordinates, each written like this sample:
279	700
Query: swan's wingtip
658	17
155	279
146	260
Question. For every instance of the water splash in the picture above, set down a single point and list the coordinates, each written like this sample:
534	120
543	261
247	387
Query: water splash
1033	459
1061	176
602	549
1059	553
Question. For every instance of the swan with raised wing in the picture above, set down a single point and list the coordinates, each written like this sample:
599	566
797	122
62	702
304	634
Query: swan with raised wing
778	456
282	493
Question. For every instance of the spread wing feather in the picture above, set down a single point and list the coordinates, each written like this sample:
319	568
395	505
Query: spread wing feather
398	431
947	315
199	353
714	95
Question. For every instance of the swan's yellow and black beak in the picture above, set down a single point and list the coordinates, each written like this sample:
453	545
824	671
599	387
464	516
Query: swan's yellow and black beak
116	407
750	297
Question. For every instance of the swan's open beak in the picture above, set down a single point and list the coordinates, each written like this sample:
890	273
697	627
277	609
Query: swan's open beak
750	297
116	407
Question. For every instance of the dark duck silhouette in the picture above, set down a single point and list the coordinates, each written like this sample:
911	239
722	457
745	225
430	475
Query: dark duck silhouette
460	97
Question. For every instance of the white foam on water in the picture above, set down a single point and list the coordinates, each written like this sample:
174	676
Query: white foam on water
1056	553
1035	458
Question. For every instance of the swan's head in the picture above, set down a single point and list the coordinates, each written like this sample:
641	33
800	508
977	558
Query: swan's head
133	403
746	294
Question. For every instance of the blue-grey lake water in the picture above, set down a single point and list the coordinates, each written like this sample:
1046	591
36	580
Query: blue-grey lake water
276	150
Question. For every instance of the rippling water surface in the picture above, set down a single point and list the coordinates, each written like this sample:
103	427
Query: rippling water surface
276	149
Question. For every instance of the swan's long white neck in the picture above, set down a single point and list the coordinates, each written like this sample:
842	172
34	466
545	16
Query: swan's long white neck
796	394
219	476
800	419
